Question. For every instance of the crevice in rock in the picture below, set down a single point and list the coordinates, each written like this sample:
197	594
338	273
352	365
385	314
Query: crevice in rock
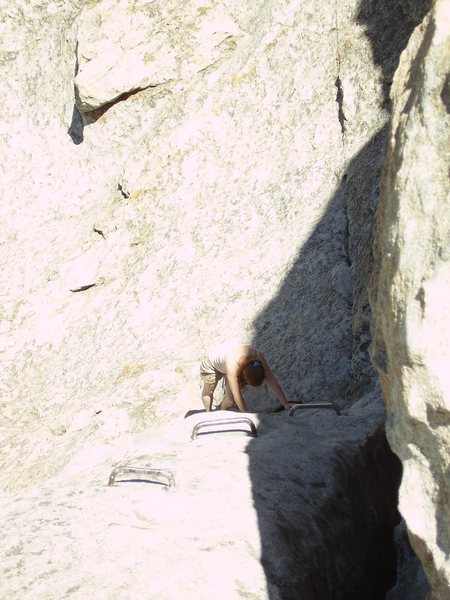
346	235
340	102
411	581
83	288
99	231
91	116
420	297
347	549
445	93
338	82
76	127
122	191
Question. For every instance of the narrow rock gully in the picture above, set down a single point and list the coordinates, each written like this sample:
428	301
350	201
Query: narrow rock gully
303	508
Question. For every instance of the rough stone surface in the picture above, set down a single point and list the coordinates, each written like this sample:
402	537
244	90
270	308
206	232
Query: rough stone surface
211	208
137	540
123	47
234	199
411	347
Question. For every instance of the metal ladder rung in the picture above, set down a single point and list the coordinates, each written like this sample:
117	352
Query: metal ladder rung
232	421
325	405
153	475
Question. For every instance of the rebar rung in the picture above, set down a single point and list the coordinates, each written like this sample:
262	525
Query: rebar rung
153	475
319	405
232	421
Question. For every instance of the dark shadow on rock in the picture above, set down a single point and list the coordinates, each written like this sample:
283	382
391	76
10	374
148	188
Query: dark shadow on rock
445	93
194	412
326	514
361	561
76	128
358	562
92	116
388	25
411	581
314	333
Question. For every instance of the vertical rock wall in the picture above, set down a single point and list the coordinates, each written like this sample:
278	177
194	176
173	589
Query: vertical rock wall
171	177
411	348
189	191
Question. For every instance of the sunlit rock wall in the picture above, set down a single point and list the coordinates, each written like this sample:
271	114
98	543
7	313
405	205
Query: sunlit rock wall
173	177
208	205
412	288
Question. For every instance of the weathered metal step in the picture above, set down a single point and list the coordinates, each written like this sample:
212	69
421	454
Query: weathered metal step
230	421
143	474
319	405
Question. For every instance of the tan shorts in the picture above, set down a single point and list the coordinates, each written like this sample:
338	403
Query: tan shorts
212	376
208	373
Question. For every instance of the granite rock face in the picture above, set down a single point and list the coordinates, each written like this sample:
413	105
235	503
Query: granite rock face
248	516
172	178
197	210
411	348
127	46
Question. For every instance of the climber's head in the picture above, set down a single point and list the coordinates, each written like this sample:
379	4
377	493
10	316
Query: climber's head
253	373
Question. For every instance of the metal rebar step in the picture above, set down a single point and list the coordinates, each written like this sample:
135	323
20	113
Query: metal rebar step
230	421
143	474
319	405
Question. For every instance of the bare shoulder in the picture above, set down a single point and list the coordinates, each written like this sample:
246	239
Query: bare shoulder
239	354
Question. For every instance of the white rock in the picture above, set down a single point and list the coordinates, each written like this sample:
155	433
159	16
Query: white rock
412	287
124	47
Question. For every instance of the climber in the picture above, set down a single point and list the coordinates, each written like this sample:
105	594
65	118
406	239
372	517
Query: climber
237	365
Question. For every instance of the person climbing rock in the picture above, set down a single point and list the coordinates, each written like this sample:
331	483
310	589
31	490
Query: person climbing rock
237	365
